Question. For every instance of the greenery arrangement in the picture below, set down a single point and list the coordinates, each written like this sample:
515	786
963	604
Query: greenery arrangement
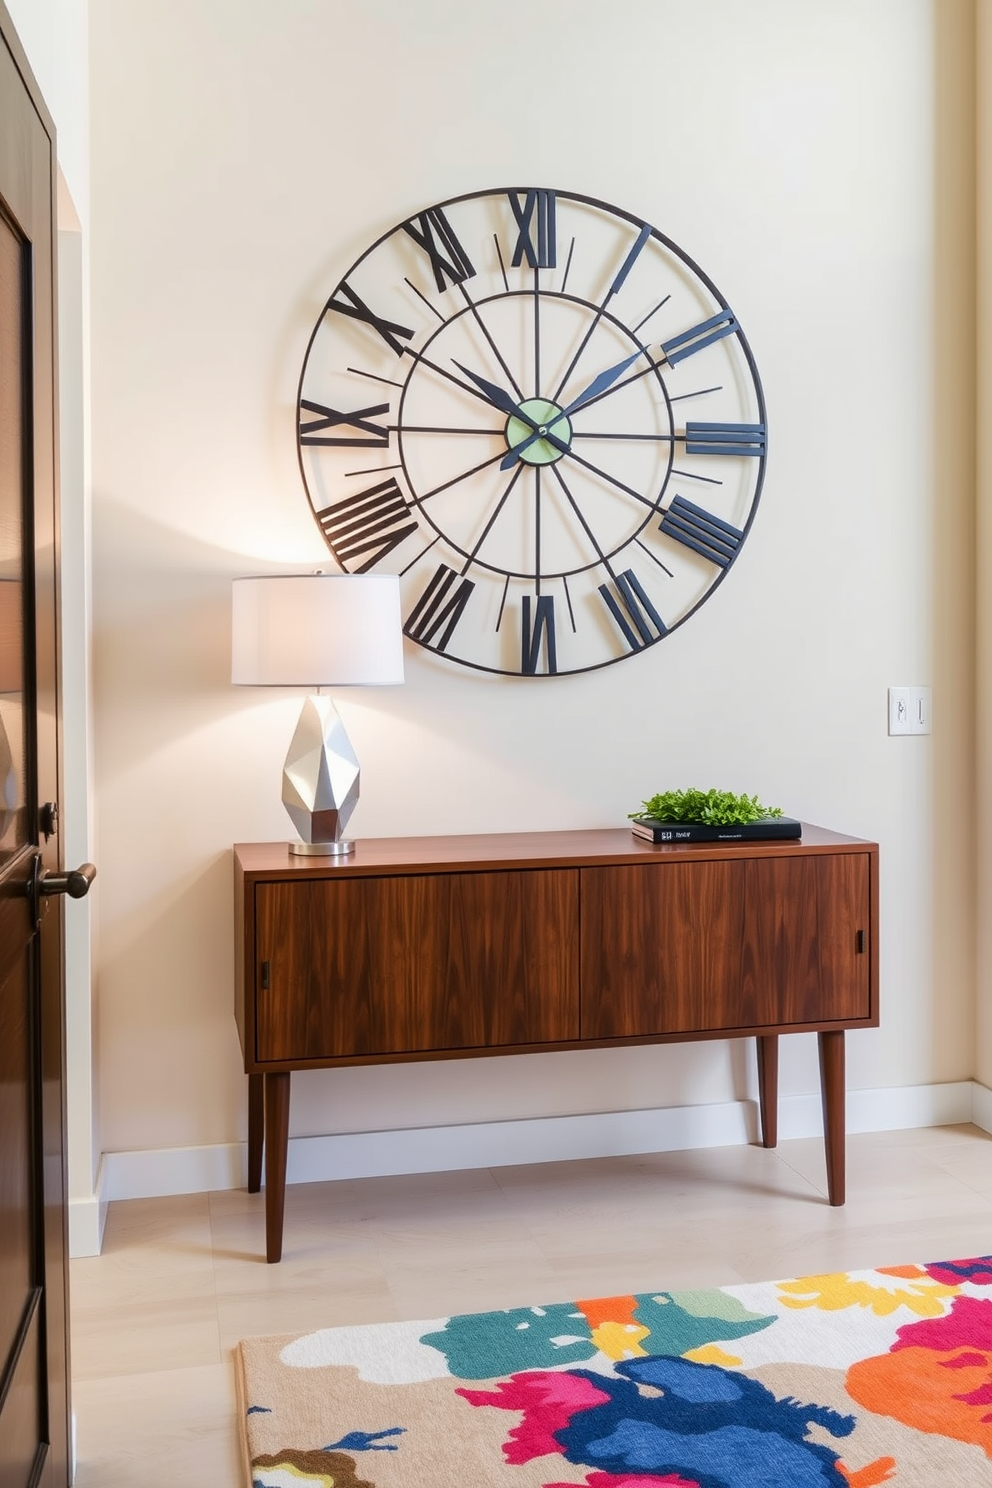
714	808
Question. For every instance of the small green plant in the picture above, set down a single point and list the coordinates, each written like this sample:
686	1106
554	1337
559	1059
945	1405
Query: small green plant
714	808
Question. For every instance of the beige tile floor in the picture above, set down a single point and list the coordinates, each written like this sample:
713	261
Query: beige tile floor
155	1317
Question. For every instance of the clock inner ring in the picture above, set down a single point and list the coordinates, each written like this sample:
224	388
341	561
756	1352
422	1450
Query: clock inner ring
607	464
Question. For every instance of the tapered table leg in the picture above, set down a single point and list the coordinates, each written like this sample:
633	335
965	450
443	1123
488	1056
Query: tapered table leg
256	1118
768	1088
276	1147
834	1123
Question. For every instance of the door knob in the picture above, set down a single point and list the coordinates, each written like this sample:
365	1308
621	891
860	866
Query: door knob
75	883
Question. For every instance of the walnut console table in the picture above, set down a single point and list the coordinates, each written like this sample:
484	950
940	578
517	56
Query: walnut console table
454	947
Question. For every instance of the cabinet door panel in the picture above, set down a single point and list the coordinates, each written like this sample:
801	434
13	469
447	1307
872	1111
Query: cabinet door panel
410	963
802	962
693	947
845	930
661	948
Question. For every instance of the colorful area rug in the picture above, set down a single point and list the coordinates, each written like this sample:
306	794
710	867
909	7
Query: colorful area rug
842	1381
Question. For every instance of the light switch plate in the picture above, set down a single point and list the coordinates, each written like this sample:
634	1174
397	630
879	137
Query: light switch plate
909	710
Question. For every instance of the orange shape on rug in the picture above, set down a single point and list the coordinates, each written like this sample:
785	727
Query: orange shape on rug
599	1310
882	1470
945	1394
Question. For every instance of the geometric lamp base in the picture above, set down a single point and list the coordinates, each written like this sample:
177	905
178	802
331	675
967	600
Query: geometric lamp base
320	780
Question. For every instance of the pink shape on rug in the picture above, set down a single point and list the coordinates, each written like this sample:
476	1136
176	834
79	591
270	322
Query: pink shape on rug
981	1396
968	1324
548	1398
963	1361
608	1480
952	1273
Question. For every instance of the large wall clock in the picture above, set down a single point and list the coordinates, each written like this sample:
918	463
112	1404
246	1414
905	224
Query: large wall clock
545	417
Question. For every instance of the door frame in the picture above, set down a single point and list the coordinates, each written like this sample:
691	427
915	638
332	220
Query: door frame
24	152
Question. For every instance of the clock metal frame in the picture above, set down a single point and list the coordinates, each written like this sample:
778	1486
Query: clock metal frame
557	548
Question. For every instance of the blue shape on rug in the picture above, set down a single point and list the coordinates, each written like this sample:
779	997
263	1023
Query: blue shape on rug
719	1427
367	1441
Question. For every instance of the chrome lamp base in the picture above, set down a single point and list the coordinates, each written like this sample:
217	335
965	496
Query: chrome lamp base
340	848
320	781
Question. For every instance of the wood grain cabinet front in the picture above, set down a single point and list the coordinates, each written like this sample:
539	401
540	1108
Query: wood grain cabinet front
696	947
369	966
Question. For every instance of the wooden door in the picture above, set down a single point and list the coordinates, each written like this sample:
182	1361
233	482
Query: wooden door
33	1349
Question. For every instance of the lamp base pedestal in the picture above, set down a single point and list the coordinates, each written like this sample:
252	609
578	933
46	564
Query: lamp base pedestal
339	849
320	782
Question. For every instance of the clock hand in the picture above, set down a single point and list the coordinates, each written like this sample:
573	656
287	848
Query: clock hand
502	400
601	383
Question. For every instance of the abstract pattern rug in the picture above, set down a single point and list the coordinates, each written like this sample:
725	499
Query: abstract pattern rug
841	1381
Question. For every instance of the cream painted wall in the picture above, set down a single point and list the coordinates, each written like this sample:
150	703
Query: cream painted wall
243	154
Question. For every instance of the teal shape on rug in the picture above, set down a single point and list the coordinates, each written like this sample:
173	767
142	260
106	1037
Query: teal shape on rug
679	1322
482	1345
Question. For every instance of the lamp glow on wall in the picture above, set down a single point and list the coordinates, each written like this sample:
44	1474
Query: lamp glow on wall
318	630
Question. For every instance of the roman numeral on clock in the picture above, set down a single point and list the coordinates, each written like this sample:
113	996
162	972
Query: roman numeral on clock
355	307
537	619
441	604
376	435
725	439
370	522
537	239
699	530
689	342
457	266
638	620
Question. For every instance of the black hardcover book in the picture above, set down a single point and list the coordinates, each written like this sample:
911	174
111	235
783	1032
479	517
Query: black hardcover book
769	828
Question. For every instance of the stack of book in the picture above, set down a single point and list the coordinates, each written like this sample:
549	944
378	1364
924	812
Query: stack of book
772	828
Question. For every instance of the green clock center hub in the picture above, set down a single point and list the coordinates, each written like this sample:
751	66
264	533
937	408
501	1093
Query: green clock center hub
544	418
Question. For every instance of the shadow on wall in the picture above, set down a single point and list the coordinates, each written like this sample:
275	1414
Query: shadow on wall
169	1050
162	627
162	603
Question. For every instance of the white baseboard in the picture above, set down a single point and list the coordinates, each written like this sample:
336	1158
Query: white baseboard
497	1144
898	1108
174	1170
981	1108
87	1221
131	1175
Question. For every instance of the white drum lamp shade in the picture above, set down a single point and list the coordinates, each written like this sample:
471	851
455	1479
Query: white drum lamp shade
318	630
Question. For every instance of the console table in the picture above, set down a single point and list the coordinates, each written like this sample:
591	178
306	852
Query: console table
456	947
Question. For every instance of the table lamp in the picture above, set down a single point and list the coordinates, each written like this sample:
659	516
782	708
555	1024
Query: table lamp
318	630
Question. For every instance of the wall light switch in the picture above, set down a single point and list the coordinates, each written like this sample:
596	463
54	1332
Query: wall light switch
909	710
